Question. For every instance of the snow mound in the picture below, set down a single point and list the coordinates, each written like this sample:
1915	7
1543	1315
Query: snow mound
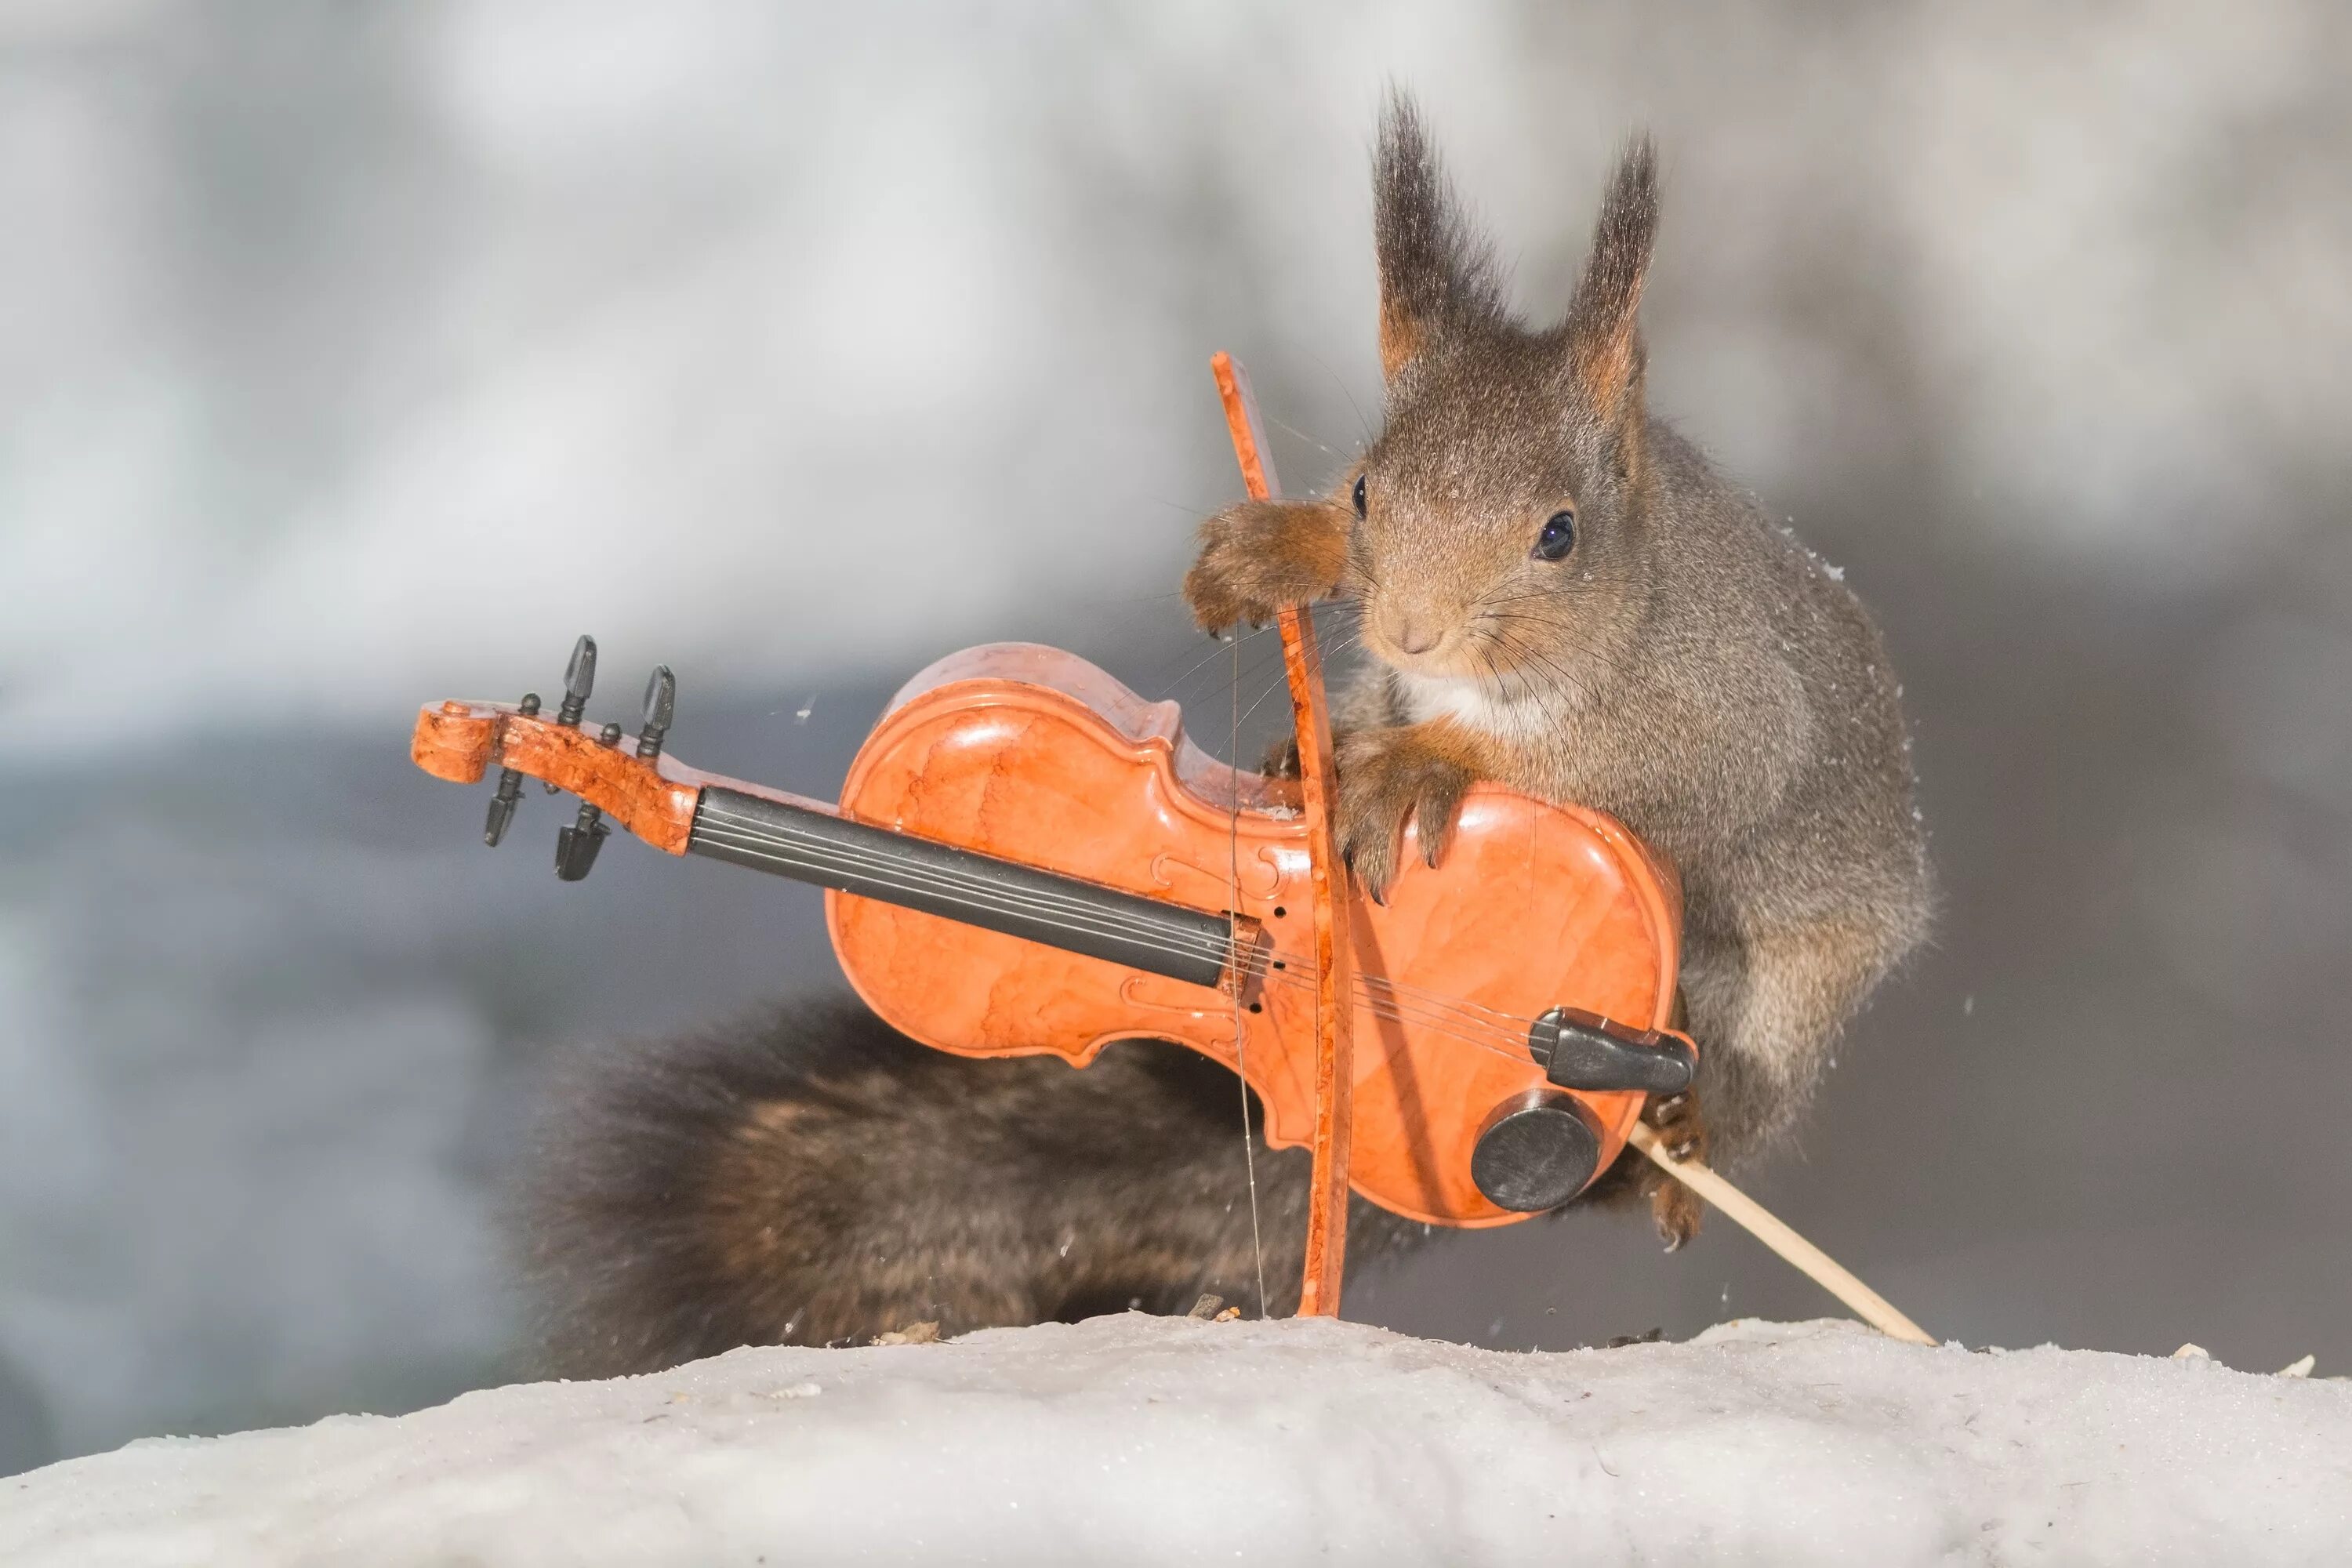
1135	1439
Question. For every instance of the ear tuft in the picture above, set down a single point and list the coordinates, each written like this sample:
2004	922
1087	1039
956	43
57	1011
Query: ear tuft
1604	342
1435	269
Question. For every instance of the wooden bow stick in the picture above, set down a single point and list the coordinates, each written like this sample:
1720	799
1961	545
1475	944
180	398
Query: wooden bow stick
1327	1203
1767	1228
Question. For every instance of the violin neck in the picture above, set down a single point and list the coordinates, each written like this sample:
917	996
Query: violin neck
810	844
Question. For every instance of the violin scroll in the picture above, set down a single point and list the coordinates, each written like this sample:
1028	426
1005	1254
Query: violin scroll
638	789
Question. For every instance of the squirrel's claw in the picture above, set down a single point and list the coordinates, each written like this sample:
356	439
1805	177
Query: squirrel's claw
1388	777
1281	758
1674	1207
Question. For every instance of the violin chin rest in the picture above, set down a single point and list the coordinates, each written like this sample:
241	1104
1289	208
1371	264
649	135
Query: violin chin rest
1536	1150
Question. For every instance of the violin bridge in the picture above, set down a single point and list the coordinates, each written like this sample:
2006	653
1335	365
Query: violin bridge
1247	960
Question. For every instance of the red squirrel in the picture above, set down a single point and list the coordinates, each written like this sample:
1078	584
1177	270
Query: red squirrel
1558	593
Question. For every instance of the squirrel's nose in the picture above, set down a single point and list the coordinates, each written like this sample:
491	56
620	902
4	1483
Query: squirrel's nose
1415	637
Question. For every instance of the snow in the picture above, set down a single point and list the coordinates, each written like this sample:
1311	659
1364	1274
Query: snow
1137	1439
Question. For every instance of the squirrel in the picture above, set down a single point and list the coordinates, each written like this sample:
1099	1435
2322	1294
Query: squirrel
1559	593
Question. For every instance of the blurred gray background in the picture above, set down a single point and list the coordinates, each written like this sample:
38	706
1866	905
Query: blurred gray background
356	355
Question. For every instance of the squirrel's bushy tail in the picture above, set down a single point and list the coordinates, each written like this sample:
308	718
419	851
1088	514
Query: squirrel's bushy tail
812	1176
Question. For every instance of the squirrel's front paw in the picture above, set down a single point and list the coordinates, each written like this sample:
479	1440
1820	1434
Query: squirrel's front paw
1260	556
1386	777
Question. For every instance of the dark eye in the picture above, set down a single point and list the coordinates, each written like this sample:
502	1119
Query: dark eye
1558	538
1359	495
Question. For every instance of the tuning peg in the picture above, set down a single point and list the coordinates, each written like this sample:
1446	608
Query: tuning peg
661	703
576	846
579	680
509	796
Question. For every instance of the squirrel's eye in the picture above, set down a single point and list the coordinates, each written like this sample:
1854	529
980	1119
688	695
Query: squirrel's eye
1558	538
1359	495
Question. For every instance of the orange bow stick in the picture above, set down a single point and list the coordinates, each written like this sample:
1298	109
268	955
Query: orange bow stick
1326	1205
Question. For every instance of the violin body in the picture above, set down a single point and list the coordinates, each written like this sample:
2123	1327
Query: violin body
1037	756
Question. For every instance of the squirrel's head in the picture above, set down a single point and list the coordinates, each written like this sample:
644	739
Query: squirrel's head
1500	515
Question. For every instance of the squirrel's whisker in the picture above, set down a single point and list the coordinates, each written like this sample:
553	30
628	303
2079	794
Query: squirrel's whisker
1221	649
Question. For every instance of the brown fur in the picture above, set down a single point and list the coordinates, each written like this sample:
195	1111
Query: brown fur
811	1176
1604	343
1266	553
1688	667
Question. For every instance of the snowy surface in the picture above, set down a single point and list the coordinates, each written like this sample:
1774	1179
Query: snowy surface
1140	1439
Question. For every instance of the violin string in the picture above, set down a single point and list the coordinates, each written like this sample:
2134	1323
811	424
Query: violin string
1367	999
1504	1023
763	845
892	878
1174	933
890	872
1165	935
1241	1025
1271	969
1172	924
1069	918
1410	1004
1178	936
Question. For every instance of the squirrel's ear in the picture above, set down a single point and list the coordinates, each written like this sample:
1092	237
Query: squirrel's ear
1604	343
1434	268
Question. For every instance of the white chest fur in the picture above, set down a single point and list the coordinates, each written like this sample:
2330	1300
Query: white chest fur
1468	702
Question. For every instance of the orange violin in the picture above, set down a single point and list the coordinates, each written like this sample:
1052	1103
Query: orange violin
1028	857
